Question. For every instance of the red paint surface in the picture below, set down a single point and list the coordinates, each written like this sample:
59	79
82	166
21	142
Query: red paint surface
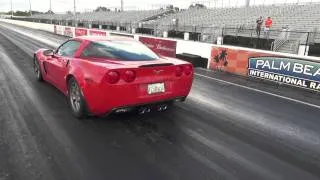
160	46
91	77
93	32
81	32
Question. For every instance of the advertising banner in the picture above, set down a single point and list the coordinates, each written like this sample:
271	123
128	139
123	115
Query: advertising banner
292	71
93	32
161	46
301	73
81	32
232	60
69	31
59	30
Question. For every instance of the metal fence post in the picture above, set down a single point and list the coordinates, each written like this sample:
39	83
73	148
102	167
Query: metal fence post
306	45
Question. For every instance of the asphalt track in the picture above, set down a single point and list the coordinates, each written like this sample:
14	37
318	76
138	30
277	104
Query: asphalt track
225	130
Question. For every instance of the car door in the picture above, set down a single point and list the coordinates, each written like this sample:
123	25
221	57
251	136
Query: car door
58	65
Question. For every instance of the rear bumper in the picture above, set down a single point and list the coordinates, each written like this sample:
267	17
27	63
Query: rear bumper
104	99
152	106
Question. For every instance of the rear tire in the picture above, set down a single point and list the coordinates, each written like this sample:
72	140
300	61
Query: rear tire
76	100
37	69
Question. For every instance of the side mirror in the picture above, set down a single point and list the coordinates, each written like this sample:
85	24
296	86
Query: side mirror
48	52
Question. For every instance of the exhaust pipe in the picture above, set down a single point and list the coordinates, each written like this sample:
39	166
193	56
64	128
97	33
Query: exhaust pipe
162	107
144	110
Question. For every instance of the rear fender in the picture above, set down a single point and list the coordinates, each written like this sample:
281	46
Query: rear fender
77	74
87	75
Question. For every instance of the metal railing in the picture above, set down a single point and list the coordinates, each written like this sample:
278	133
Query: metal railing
287	40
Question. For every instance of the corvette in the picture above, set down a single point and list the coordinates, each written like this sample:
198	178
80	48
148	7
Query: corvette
103	75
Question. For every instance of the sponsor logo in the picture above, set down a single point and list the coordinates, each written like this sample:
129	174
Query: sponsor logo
165	48
68	31
221	59
97	33
60	30
81	32
157	71
161	46
290	71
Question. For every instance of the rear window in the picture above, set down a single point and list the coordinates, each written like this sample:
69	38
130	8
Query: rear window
119	50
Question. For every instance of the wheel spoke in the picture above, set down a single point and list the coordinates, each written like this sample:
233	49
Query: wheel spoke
75	98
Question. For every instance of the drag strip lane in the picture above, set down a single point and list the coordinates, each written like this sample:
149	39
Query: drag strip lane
220	132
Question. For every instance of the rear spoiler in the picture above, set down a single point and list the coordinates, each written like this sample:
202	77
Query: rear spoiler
156	65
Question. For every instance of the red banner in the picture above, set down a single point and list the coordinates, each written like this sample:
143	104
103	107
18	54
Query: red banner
160	46
68	31
93	32
233	60
81	32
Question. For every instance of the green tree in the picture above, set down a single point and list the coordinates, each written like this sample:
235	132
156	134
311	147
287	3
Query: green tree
223	55
197	5
101	8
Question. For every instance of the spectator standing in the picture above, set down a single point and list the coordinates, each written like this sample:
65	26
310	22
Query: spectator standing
259	24
268	25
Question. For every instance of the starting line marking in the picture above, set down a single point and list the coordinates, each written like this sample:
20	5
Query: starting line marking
260	91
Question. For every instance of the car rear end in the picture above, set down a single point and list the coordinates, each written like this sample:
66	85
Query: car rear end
143	87
135	76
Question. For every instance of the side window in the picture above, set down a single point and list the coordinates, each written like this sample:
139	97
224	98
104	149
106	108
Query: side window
69	48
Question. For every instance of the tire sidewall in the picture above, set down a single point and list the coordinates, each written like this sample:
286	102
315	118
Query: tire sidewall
82	110
39	75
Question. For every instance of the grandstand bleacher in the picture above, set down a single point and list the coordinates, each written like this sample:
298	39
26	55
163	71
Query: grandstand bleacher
209	23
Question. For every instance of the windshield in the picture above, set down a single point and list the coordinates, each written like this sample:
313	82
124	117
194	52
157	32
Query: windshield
121	50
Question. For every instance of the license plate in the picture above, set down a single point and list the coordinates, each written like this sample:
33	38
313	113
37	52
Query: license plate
156	88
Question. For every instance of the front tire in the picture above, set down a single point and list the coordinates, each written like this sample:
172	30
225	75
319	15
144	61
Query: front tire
37	69
76	99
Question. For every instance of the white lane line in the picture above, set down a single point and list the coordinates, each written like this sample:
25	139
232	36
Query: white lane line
260	91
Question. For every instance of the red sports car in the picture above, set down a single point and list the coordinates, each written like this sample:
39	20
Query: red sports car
102	75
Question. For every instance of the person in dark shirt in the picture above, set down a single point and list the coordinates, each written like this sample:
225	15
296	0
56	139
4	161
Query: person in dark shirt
259	24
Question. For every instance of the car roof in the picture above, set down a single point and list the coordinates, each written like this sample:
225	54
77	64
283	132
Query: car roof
105	38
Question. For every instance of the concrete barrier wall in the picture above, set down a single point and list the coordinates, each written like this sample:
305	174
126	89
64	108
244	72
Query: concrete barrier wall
33	25
296	70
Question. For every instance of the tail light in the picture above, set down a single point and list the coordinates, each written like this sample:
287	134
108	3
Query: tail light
129	76
179	71
188	70
113	77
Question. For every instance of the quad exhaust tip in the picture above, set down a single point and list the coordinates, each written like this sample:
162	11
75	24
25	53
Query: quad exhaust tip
144	110
160	108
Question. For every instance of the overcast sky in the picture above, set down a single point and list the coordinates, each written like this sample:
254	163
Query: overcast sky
83	5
